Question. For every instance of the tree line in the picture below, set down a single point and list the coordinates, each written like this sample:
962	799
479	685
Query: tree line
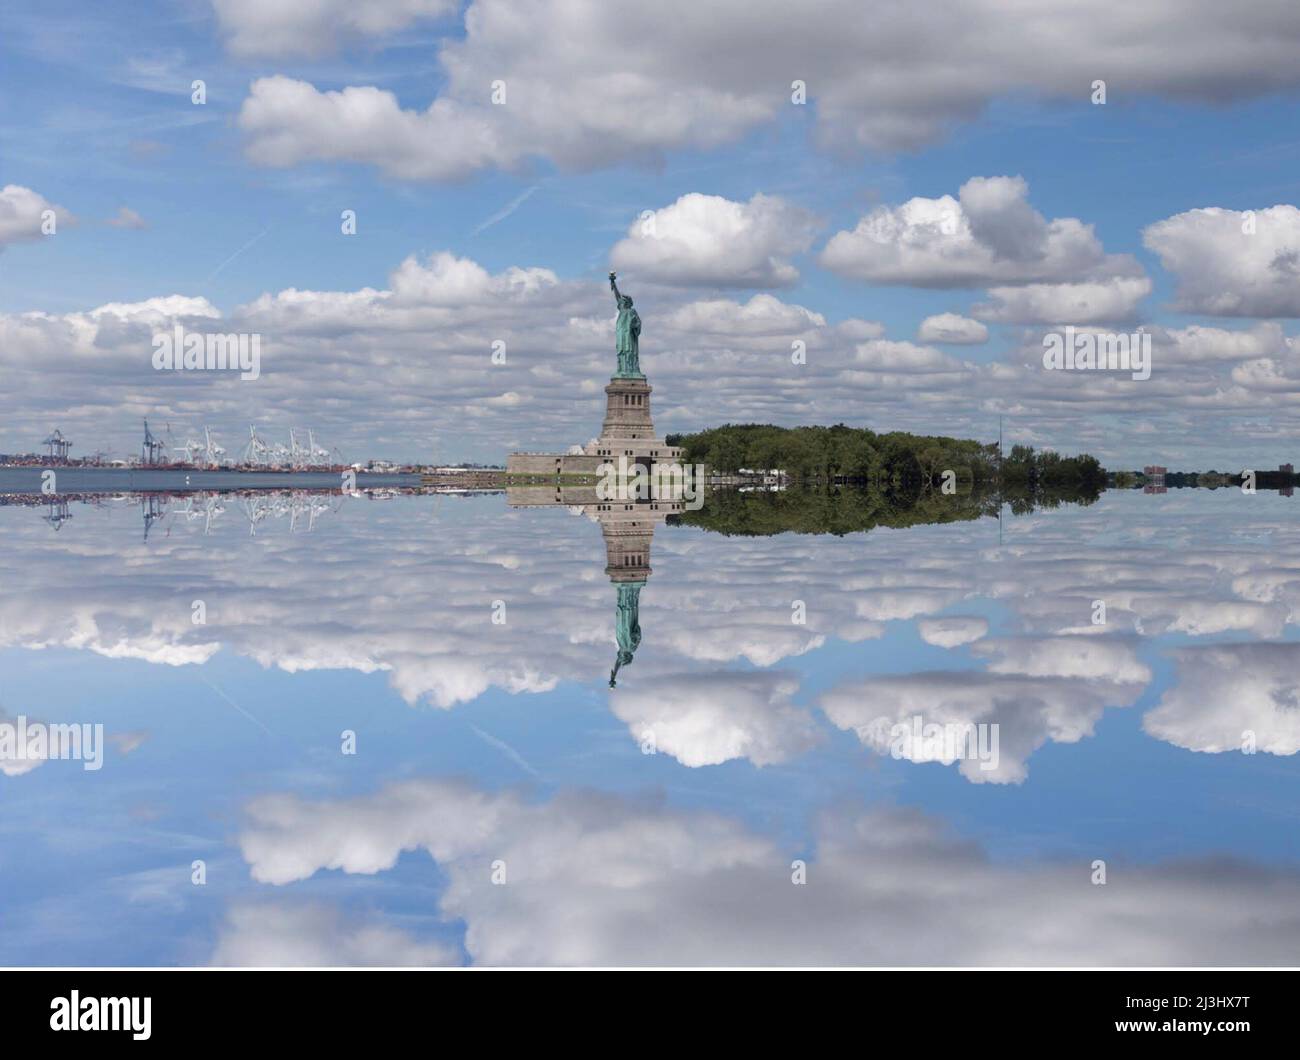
842	454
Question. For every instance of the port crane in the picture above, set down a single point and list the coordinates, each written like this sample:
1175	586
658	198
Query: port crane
206	453
58	445
298	455
151	449
257	452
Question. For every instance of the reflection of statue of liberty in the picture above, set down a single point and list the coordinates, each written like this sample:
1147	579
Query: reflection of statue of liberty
628	625
628	330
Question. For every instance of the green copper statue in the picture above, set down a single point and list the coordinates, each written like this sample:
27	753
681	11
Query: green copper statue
628	330
628	625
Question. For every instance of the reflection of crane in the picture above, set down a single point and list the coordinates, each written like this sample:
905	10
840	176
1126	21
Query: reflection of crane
58	513
153	508
212	507
151	449
295	505
57	445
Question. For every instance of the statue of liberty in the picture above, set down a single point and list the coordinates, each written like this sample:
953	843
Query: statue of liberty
628	330
627	626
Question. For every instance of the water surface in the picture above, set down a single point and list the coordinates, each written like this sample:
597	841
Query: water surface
505	805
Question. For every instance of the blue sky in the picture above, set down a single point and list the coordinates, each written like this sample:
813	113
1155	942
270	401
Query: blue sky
235	205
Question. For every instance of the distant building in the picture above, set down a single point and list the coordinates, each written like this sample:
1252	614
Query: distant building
1286	469
1155	474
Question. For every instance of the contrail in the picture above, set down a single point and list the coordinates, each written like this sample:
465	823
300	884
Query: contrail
506	750
236	706
239	251
506	210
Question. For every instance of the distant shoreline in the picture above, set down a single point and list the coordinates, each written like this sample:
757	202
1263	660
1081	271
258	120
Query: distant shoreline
72	479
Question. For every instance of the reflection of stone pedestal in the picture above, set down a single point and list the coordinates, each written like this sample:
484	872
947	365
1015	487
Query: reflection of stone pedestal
627	542
628	528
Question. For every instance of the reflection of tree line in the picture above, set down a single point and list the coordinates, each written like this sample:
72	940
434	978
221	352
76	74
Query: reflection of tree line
1264	480
840	454
845	510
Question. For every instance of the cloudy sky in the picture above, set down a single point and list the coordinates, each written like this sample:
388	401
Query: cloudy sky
916	196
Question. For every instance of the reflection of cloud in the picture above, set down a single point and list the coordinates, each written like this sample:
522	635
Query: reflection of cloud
1086	657
1227	690
1036	689
890	604
702	719
952	630
16	767
126	742
128	218
595	879
1028	711
295	935
421	611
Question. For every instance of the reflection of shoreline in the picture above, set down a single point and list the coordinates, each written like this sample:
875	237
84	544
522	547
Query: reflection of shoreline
257	504
79	480
99	497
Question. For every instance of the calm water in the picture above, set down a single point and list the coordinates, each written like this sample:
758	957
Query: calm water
505	805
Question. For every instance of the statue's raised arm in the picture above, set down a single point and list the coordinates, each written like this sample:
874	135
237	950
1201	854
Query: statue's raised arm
614	287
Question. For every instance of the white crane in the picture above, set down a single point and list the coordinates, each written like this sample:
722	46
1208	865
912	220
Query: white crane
213	453
257	452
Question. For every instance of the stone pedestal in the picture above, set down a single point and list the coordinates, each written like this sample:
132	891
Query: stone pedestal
627	410
629	428
627	431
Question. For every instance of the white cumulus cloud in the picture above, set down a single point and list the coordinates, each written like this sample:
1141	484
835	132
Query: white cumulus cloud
711	241
988	235
952	329
1229	264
